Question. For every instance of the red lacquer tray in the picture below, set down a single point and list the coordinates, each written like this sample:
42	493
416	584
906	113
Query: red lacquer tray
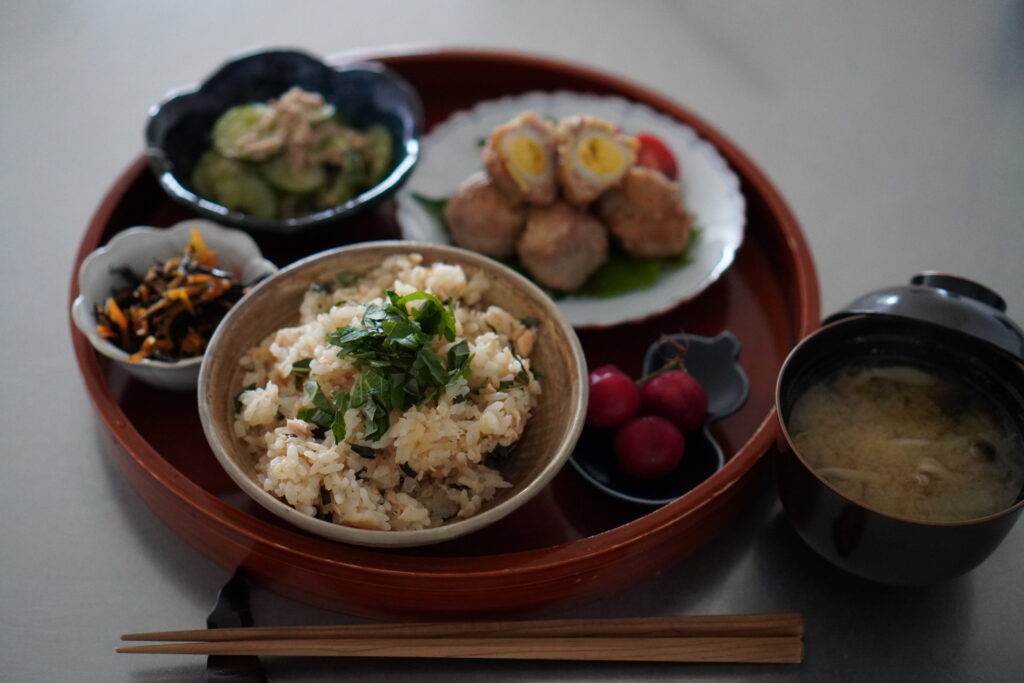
571	543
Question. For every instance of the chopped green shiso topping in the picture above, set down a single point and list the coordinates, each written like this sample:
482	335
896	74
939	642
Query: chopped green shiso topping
398	367
300	368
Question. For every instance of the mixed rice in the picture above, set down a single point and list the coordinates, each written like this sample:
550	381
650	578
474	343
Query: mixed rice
435	462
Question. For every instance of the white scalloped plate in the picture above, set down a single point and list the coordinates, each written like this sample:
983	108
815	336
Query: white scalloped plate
451	152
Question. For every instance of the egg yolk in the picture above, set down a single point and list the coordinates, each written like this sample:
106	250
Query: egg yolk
600	155
526	158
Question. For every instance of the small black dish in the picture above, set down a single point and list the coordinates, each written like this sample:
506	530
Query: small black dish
712	361
179	127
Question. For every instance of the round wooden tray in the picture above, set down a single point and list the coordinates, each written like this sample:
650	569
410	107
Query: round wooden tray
571	543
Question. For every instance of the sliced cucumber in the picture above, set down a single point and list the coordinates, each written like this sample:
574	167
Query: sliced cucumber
380	148
334	147
245	191
248	131
208	169
353	169
294	206
338	191
265	162
296	179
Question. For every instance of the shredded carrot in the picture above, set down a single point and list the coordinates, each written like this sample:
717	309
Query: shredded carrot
159	305
116	314
198	249
172	310
193	343
182	295
144	351
214	289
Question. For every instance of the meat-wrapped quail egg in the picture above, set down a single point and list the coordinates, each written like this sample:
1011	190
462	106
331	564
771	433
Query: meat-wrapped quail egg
592	157
646	214
562	246
483	219
520	158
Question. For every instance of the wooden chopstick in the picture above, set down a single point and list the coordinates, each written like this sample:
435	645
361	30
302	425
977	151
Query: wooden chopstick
759	638
731	625
760	650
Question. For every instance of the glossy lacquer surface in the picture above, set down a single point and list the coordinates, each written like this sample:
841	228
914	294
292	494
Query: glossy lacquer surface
850	534
570	543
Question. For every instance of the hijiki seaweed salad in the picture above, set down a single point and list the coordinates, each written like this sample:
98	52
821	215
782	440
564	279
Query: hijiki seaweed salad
170	312
392	403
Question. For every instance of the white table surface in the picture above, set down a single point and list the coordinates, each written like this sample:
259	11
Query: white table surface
894	130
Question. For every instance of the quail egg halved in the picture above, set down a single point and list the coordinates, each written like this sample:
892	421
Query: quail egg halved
592	157
520	158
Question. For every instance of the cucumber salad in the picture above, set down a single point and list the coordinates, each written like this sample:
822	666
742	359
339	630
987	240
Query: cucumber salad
290	157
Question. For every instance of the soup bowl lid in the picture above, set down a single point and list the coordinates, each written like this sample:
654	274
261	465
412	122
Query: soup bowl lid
947	300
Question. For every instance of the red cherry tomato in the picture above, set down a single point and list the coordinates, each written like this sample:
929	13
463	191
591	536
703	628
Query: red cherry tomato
654	153
614	397
649	447
676	396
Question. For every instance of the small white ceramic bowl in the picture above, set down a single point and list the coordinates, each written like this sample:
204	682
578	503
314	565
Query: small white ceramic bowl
138	248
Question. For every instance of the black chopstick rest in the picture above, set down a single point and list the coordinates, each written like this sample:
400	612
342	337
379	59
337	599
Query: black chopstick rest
232	611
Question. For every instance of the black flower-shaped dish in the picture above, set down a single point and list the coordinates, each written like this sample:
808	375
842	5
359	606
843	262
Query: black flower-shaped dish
712	361
179	127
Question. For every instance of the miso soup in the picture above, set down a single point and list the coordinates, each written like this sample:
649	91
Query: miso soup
910	443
